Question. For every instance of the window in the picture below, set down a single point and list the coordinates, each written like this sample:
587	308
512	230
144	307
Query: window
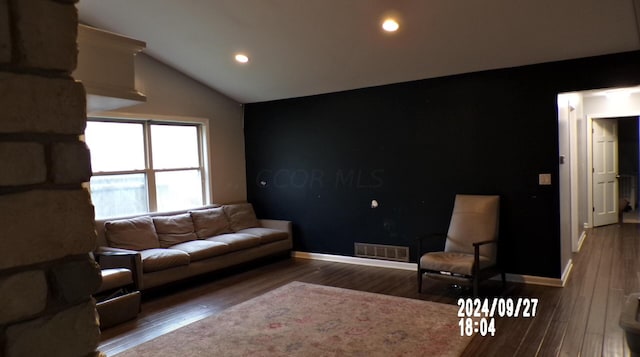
145	166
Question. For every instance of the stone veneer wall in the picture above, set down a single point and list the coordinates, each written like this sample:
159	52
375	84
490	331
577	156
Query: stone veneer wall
46	216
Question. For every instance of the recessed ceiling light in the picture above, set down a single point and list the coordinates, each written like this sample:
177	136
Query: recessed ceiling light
390	25
242	58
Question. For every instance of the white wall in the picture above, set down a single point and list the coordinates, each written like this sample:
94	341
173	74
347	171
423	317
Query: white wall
603	106
169	92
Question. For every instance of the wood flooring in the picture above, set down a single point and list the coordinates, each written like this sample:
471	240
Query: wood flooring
580	319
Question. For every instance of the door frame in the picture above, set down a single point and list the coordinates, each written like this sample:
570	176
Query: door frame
568	103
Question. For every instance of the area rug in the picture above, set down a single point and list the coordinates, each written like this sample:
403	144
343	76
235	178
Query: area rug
300	319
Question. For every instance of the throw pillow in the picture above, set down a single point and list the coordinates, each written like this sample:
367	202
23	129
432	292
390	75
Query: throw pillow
174	229
136	233
241	216
210	222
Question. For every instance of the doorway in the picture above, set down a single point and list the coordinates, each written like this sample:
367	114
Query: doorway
615	148
576	112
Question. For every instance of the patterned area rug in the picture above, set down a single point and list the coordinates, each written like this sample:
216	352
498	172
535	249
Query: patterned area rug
301	319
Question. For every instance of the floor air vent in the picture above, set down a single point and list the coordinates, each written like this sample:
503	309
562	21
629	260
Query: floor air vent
379	251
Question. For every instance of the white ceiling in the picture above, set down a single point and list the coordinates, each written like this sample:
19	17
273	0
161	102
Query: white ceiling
305	47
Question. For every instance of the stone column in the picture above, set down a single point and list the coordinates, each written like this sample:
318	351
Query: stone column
46	216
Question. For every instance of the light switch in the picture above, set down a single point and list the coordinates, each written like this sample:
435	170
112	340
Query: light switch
544	179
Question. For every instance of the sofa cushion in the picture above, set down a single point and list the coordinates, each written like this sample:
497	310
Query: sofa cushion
459	263
267	235
201	249
136	233
210	222
241	216
174	229
237	241
162	258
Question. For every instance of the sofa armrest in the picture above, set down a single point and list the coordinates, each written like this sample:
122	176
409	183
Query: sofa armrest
108	257
113	251
278	224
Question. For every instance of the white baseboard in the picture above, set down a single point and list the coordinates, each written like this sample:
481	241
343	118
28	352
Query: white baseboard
541	280
532	279
581	239
516	278
567	272
356	260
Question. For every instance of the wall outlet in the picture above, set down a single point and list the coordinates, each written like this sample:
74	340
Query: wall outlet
544	179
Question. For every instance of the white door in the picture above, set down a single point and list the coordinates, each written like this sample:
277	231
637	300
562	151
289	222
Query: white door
605	172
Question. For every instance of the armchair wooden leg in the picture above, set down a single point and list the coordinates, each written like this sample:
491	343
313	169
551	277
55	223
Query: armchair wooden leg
475	286
419	281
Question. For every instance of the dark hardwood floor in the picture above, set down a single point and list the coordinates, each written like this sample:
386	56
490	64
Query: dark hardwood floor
580	319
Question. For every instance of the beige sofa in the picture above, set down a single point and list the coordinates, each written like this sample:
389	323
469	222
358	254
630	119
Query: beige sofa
171	246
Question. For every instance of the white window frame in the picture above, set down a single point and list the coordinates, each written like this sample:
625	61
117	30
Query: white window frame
204	146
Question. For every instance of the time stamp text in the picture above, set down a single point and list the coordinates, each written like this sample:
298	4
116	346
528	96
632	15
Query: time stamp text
477	316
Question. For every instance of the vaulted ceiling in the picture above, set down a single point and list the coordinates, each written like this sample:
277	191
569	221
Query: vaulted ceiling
305	47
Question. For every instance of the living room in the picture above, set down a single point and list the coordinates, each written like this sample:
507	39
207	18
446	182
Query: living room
381	164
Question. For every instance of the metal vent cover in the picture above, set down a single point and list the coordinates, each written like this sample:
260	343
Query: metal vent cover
381	251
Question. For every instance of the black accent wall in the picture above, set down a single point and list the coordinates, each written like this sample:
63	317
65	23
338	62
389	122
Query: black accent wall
319	161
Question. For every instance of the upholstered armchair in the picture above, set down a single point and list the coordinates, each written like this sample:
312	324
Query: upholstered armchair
470	251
